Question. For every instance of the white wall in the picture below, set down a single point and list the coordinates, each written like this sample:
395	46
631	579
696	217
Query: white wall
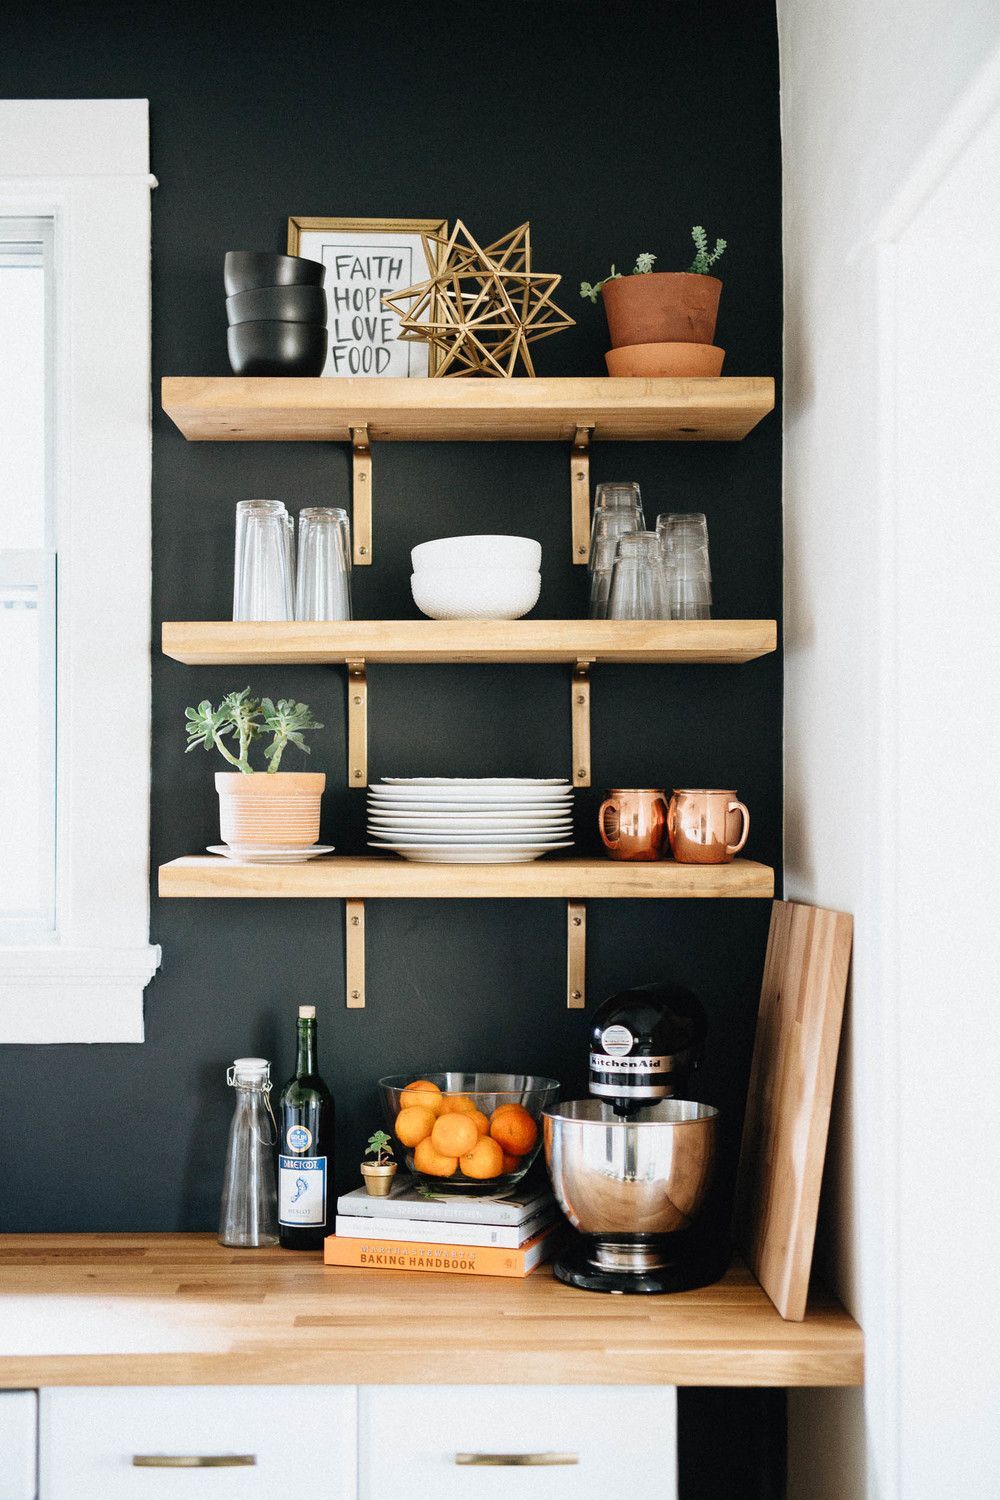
892	481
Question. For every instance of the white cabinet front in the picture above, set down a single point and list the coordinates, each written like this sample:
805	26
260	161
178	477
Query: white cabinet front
491	1442
18	1444
227	1442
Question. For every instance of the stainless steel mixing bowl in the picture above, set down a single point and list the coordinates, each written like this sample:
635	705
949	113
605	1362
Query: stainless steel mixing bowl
645	1175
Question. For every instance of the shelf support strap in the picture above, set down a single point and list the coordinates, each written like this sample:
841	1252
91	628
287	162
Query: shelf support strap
579	493
354	954
580	712
576	955
357	723
362	497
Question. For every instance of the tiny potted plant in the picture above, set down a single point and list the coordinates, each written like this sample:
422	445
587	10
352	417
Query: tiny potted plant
280	807
378	1174
663	322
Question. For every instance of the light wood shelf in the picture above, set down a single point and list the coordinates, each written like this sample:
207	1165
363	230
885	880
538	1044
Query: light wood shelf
212	1316
270	409
451	642
389	877
363	412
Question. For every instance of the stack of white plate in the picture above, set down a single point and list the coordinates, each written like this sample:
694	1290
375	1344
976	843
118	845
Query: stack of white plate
471	820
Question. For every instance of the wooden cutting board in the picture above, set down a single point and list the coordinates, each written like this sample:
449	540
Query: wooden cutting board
788	1103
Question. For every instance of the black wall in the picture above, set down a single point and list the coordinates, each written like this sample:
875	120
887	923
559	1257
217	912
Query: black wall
613	128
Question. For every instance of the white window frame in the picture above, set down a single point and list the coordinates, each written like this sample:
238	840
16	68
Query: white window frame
85	165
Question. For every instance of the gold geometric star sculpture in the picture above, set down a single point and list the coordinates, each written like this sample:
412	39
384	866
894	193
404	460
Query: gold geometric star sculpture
481	307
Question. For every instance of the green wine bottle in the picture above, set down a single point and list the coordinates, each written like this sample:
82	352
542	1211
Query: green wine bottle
305	1147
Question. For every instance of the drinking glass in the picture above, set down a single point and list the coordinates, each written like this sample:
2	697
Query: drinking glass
616	499
323	578
636	591
602	567
687	570
262	578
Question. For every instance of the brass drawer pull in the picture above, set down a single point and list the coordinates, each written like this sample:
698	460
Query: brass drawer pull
194	1460
515	1460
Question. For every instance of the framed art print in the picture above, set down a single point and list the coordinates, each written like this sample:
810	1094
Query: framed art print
365	258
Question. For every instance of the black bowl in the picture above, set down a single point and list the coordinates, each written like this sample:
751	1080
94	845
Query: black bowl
247	269
284	304
277	348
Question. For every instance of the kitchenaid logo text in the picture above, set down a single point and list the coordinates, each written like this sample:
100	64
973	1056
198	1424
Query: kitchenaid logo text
602	1064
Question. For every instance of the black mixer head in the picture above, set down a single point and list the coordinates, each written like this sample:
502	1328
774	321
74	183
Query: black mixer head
645	1044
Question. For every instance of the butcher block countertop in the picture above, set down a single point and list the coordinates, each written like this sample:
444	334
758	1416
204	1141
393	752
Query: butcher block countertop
178	1309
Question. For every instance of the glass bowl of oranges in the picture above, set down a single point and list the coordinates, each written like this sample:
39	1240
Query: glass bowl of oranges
468	1132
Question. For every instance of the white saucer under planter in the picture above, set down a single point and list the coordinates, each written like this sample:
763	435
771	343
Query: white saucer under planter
266	810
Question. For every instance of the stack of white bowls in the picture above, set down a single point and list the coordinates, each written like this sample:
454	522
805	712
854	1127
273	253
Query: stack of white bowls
476	577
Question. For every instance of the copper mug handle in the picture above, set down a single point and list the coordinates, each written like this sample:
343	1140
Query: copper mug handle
744	813
608	843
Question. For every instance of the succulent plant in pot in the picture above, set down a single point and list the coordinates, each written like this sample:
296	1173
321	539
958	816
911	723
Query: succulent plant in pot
379	1172
663	322
273	808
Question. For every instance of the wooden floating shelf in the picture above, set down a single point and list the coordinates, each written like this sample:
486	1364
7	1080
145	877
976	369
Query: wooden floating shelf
389	877
231	1317
363	412
269	409
444	642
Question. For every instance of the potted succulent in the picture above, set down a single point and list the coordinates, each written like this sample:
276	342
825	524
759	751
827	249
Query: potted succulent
378	1174
663	322
277	808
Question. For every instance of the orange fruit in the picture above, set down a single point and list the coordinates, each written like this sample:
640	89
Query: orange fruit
484	1160
431	1162
457	1104
421	1092
414	1124
480	1121
454	1135
510	1163
513	1127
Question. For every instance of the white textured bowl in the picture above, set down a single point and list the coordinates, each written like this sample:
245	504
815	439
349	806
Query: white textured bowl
477	552
476	594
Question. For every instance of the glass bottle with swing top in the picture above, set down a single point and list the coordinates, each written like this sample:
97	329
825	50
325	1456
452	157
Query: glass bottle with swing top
248	1217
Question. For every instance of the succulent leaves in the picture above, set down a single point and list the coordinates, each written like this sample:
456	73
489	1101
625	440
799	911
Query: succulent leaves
703	261
247	718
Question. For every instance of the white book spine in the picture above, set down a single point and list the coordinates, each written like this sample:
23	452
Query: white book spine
504	1236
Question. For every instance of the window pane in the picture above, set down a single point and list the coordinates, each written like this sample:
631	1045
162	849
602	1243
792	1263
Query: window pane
22	394
27	582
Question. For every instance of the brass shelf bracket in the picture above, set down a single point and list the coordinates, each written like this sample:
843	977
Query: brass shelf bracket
357	722
361	519
580	715
576	955
354	954
579	493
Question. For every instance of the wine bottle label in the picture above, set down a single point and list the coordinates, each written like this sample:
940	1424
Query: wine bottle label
301	1190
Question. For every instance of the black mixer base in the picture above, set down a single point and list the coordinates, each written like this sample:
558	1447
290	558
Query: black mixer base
693	1266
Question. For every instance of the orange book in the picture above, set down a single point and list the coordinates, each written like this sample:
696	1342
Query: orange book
461	1260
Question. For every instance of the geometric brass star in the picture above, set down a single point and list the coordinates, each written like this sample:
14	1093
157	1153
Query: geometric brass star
480	307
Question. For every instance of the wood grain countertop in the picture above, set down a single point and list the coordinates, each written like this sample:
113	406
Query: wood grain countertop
178	1309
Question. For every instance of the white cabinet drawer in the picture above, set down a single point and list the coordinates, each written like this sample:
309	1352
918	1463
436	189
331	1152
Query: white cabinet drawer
623	1438
302	1439
18	1445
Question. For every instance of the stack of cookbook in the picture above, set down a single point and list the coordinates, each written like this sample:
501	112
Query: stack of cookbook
415	1230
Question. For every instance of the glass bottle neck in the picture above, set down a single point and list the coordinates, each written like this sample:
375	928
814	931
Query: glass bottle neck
305	1060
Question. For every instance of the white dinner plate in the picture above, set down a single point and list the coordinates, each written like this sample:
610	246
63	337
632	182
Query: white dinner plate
470	793
469	854
264	854
488	804
486	822
452	781
506	841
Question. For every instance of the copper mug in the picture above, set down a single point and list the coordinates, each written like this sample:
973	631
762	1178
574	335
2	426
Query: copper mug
633	822
706	827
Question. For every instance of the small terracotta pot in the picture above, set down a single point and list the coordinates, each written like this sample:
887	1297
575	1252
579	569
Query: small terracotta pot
654	360
378	1179
662	307
282	808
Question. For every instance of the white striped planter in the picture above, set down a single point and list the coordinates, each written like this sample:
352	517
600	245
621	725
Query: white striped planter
270	809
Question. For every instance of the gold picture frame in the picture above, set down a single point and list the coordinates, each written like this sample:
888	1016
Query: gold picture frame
359	327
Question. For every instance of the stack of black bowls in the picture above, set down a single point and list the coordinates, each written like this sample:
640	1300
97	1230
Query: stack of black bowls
277	313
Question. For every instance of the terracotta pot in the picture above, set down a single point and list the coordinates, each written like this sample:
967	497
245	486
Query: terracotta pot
665	359
662	307
265	809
